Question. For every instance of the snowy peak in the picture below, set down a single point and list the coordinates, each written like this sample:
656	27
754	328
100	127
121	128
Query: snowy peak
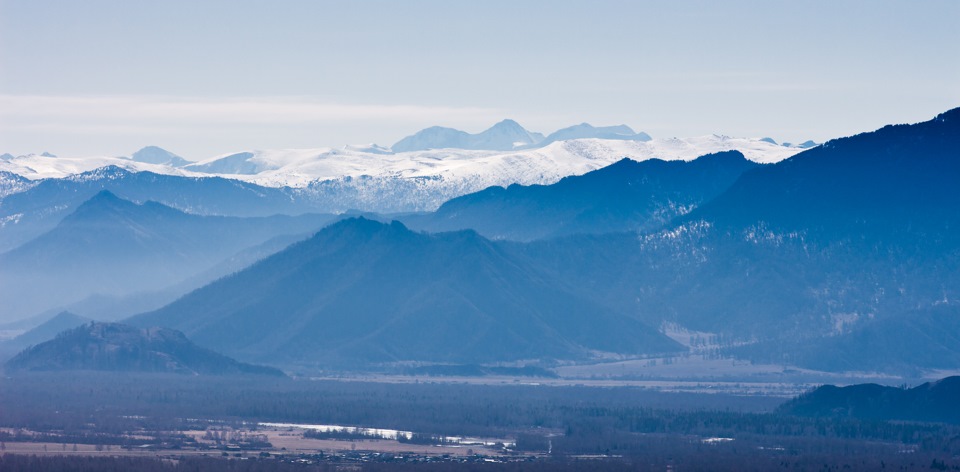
156	155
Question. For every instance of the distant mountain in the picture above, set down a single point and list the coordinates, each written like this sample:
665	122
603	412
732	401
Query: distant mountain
368	148
155	155
585	130
41	333
625	196
804	145
111	307
509	135
353	178
120	348
295	181
503	136
362	292
933	401
114	246
31	212
239	163
434	137
50	328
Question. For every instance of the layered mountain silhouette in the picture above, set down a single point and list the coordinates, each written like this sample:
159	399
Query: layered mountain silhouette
121	348
625	196
932	401
503	136
841	258
114	246
32	212
361	291
43	332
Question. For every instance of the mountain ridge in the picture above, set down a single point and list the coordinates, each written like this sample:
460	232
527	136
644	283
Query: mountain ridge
160	156
117	347
374	292
931	401
113	246
624	196
505	135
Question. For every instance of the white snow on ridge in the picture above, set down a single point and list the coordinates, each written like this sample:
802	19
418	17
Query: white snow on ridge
372	178
36	167
300	167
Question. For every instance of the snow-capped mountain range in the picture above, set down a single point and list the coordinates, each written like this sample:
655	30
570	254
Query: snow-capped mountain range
374	178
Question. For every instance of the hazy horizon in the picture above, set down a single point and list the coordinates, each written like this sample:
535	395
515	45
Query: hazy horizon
106	78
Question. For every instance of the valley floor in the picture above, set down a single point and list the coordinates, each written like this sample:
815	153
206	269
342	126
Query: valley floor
251	423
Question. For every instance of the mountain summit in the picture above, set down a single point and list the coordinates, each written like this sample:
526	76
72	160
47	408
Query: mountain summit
118	347
503	136
365	292
624	196
156	155
586	130
113	246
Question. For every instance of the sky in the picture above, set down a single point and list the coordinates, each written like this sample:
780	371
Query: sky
203	78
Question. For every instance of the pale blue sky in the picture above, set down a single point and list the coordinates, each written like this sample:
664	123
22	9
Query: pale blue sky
207	77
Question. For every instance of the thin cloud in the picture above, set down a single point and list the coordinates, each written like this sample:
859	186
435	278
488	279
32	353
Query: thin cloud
51	110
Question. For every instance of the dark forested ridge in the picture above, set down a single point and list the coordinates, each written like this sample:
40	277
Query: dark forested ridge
117	347
624	196
934	401
894	187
